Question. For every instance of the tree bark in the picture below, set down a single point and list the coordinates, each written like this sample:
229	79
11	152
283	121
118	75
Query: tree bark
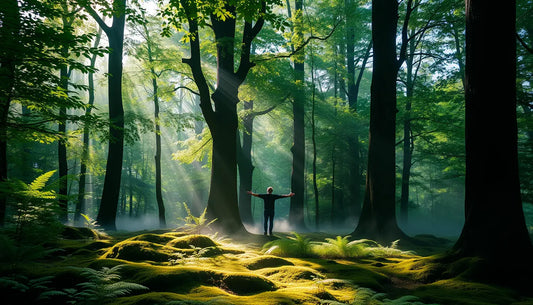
222	121
493	206
354	183
155	87
110	193
296	210
246	168
408	141
10	14
378	215
81	203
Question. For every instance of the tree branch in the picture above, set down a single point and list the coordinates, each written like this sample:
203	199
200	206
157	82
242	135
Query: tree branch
523	43
300	47
97	18
186	88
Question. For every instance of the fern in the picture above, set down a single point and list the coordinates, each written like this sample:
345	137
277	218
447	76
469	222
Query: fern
103	285
35	209
195	224
295	246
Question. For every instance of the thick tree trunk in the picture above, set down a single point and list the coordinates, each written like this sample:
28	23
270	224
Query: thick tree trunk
296	210
109	204
378	216
222	121
10	18
354	183
493	207
246	167
223	202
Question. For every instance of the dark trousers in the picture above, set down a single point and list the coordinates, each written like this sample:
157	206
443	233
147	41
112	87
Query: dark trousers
269	215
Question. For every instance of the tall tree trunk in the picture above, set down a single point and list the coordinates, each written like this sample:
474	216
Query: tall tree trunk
493	206
81	202
155	87
378	215
110	193
354	182
246	167
313	138
10	18
222	121
408	141
62	151
296	210
158	191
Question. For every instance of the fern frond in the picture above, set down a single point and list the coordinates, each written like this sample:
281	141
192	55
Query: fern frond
40	182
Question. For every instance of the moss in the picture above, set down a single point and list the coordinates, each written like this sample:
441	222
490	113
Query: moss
154	238
185	242
453	291
80	233
245	284
136	251
357	274
289	274
178	279
150	298
266	261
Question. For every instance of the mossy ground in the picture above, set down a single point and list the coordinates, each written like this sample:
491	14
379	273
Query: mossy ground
179	268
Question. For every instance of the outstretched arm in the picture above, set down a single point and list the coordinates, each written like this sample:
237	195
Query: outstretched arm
288	195
252	193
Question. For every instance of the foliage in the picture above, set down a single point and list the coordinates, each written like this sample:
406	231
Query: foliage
35	209
13	254
339	247
194	224
104	285
294	246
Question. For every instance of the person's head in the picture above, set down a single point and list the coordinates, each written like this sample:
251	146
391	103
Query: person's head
270	190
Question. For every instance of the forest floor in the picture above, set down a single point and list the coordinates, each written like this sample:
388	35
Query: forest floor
174	267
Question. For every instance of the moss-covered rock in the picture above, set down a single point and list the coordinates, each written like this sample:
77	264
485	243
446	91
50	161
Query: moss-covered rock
246	284
137	251
266	261
81	233
185	242
154	238
288	274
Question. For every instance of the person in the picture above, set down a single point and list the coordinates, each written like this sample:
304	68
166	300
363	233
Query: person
269	199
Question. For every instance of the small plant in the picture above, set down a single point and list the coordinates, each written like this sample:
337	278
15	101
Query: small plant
295	246
341	247
194	224
179	258
35	209
90	223
103	285
392	251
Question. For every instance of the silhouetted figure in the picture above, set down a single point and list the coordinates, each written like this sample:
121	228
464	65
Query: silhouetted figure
269	199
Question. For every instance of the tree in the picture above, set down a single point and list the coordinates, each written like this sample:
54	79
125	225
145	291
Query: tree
244	159
378	215
296	212
84	160
33	50
222	119
493	206
154	75
115	34
9	58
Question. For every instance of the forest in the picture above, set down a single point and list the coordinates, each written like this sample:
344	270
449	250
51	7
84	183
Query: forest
138	140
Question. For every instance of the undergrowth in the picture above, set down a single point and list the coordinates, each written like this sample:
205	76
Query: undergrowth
339	247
